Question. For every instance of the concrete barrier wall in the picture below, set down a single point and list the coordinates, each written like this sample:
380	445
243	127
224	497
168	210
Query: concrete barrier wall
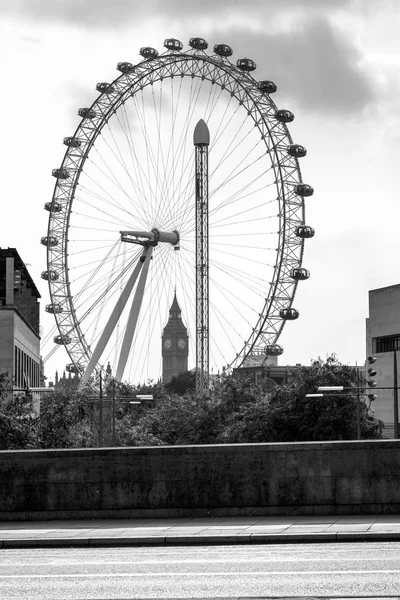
243	479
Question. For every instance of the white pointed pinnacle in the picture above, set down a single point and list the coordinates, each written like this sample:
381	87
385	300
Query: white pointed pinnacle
201	134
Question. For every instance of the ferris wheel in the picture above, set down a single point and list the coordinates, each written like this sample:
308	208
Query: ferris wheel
129	171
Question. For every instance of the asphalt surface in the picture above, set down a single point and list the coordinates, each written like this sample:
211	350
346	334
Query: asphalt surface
352	570
200	531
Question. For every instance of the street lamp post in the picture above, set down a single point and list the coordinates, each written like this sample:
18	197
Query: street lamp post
358	405
339	388
101	412
113	412
395	397
359	389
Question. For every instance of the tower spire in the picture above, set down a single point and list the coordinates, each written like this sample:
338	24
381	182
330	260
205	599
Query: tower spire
175	348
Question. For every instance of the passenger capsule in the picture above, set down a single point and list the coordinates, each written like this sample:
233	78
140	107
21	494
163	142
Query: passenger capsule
62	340
71	368
273	350
54	207
148	52
284	116
299	274
303	189
125	67
223	50
289	314
267	87
53	308
296	150
305	232
49	275
198	43
50	240
173	44
246	64
72	142
86	113
105	88
60	173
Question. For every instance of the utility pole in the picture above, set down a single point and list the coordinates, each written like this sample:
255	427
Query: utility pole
201	139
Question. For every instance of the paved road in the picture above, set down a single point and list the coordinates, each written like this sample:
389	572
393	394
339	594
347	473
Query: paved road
306	570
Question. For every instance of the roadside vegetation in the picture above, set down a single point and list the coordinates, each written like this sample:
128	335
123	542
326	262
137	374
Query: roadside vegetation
237	410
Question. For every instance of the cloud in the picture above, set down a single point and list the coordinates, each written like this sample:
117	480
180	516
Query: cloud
29	39
315	65
106	13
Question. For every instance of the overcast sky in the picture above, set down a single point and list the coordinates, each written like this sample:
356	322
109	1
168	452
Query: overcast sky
336	64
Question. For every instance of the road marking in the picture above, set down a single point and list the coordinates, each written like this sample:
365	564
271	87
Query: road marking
199	573
62	561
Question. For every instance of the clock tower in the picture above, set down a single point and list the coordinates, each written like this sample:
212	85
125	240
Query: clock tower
175	346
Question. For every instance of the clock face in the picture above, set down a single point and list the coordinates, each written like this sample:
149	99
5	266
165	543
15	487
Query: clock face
181	343
167	344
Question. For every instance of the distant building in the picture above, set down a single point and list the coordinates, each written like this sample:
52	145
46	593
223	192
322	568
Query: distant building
382	340
19	321
258	366
70	381
175	344
71	378
42	376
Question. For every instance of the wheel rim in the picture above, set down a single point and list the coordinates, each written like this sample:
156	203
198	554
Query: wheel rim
251	184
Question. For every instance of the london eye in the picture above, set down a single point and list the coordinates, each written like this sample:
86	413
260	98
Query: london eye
127	181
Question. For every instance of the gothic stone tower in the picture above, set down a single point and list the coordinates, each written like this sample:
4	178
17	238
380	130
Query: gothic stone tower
175	347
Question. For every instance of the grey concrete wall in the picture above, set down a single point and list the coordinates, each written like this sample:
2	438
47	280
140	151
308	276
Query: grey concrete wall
26	339
384	320
15	332
6	341
243	479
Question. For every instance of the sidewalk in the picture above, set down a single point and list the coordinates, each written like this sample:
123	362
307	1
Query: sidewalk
196	531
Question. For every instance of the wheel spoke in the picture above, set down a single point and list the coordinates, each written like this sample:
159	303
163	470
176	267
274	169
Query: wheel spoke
133	169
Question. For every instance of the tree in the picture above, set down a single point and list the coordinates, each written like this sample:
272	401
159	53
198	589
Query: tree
182	383
175	420
236	410
189	419
294	417
65	419
18	421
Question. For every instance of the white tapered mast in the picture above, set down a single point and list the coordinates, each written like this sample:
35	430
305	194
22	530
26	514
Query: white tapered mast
201	139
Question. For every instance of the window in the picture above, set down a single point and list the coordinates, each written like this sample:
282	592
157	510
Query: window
387	344
2	281
26	369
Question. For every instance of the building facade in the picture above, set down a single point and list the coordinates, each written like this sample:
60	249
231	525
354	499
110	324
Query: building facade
383	342
175	344
19	321
258	367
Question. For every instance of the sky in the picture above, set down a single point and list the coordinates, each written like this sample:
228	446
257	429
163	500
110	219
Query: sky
336	64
